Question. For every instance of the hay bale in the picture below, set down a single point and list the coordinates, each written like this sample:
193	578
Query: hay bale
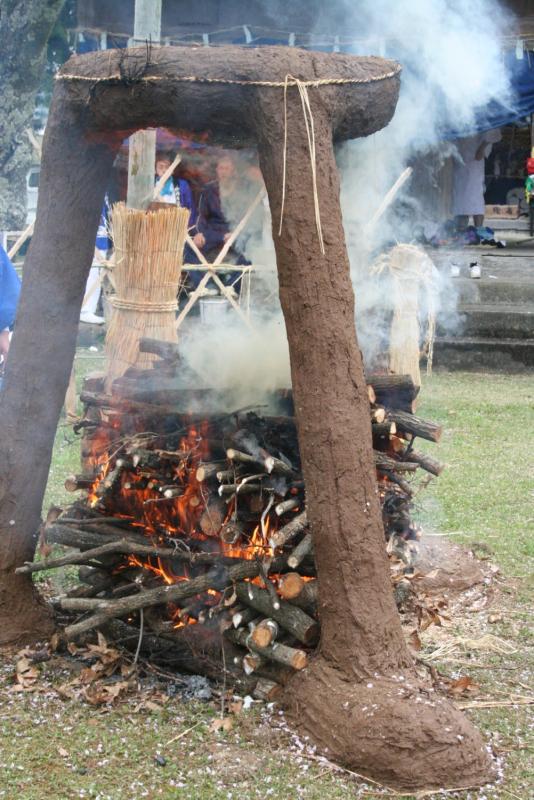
148	262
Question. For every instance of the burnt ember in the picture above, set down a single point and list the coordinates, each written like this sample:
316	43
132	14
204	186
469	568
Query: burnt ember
192	528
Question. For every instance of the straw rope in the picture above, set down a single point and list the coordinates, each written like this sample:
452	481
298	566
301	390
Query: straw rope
310	133
148	262
197	79
144	305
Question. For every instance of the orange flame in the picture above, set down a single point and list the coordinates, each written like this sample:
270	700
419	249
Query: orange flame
138	495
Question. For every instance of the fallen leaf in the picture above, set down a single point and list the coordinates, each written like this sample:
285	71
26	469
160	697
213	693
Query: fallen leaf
89	675
152	706
221	724
107	655
99	693
45	549
463	685
26	672
66	691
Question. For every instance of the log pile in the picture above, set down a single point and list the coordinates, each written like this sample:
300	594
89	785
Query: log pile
191	532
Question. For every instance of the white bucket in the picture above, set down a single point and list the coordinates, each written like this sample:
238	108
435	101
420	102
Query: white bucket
213	309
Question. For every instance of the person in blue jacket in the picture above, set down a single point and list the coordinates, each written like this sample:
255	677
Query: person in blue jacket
9	298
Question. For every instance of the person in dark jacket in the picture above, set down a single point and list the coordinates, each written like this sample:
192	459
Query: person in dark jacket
9	298
175	191
218	198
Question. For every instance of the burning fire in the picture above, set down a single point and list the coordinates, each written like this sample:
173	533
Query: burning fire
176	506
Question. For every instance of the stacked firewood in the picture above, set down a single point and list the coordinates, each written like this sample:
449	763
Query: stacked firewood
191	535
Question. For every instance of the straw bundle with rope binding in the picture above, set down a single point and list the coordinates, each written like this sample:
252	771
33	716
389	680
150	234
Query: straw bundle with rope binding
412	271
148	261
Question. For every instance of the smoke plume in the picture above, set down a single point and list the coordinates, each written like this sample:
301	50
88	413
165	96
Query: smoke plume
451	54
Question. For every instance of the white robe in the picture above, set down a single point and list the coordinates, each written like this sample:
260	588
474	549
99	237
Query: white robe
468	183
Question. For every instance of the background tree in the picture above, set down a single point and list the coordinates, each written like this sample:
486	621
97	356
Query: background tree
25	29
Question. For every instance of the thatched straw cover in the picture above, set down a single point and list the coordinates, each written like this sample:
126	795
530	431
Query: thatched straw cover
148	261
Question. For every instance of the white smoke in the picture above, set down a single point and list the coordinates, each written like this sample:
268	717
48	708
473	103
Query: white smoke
245	364
451	54
452	68
452	60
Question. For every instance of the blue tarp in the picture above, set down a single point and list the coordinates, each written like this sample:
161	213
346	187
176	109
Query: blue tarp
519	105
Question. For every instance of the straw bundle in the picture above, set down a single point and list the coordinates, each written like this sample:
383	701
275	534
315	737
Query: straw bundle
148	261
414	288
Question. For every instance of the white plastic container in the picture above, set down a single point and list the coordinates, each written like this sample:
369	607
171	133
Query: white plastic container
213	309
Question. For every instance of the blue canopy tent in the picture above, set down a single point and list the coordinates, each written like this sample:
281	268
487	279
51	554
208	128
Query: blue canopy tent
521	101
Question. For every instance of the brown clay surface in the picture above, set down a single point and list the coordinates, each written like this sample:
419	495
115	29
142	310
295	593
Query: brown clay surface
389	728
23	614
447	567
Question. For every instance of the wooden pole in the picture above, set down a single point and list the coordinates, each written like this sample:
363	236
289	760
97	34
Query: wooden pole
142	145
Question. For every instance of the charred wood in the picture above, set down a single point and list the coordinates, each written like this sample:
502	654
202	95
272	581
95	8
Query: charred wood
383	429
229	489
426	462
215	579
289	617
243	615
75	483
394	391
213	516
299	553
409	423
281	653
290	531
232	531
209	470
168	351
287	505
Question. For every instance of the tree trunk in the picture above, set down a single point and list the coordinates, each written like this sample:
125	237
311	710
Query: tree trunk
360	698
24	31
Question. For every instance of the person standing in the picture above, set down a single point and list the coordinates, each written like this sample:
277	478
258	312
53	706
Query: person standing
469	178
93	286
9	298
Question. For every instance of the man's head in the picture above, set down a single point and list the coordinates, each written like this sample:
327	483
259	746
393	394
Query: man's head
225	168
163	162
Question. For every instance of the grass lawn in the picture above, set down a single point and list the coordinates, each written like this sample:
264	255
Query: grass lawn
62	749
